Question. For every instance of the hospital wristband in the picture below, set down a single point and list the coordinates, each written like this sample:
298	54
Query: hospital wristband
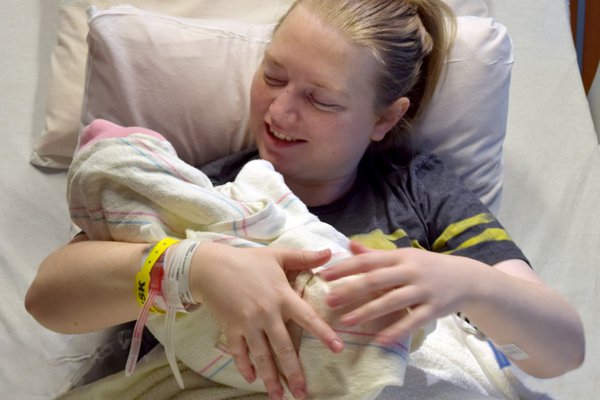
177	272
142	278
148	281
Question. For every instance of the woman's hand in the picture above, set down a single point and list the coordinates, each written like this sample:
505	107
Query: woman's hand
507	301
249	295
429	285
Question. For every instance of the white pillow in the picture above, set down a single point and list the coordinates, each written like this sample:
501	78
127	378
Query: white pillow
466	122
56	144
476	8
189	80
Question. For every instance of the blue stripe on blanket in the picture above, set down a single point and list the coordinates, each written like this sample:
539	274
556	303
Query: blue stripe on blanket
400	353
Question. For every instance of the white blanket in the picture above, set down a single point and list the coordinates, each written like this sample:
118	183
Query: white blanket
120	181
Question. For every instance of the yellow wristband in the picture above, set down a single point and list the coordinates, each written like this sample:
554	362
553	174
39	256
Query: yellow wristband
142	278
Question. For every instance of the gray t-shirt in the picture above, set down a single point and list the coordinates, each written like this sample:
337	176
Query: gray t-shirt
419	203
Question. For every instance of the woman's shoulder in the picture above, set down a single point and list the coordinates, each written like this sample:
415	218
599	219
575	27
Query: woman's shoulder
418	175
406	164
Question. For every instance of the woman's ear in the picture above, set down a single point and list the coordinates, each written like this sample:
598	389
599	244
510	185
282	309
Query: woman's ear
389	117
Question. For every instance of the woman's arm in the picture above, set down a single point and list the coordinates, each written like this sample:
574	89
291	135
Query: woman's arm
86	286
513	306
509	303
89	285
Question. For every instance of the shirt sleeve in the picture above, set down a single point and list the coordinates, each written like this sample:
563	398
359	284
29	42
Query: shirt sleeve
457	222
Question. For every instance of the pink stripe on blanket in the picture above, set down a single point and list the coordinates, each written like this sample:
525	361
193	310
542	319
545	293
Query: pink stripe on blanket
100	129
149	151
210	364
284	197
100	213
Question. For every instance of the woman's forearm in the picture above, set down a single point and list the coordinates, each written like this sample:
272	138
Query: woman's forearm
513	308
85	286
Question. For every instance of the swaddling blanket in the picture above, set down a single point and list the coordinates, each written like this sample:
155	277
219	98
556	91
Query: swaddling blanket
122	179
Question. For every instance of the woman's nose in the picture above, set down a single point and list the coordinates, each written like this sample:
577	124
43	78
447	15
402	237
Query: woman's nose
284	107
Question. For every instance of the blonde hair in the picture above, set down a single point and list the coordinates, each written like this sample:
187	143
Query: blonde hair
409	38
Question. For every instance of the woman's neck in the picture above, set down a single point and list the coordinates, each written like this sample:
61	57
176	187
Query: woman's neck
315	194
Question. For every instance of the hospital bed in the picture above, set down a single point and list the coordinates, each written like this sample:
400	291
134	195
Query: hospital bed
542	145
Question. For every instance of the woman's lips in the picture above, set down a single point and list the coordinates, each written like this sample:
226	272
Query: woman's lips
281	137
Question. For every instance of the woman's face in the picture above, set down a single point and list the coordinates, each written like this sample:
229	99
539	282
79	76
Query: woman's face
312	103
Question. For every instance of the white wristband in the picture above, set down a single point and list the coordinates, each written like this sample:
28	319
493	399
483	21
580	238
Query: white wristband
176	294
177	269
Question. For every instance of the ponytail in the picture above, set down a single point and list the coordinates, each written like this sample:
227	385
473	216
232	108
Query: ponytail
439	31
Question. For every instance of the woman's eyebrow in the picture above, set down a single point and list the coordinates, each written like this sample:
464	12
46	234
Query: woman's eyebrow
328	86
272	60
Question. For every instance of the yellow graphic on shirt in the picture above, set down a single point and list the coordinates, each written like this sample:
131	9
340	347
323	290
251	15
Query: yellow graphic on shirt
379	240
458	228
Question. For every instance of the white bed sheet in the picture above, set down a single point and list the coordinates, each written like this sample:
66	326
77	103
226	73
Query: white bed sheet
33	214
550	205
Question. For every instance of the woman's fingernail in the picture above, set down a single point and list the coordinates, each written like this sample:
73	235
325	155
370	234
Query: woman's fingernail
299	393
325	274
249	378
332	300
337	345
275	396
348	319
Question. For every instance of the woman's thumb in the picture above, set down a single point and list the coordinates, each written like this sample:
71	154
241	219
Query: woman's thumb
304	259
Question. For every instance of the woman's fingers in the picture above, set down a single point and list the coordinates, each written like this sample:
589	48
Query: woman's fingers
367	285
358	248
238	349
361	263
391	302
285	354
263	304
265	364
416	318
305	316
301	260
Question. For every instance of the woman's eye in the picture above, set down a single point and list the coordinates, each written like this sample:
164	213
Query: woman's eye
323	105
273	81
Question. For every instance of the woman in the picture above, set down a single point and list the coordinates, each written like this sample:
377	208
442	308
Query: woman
340	81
